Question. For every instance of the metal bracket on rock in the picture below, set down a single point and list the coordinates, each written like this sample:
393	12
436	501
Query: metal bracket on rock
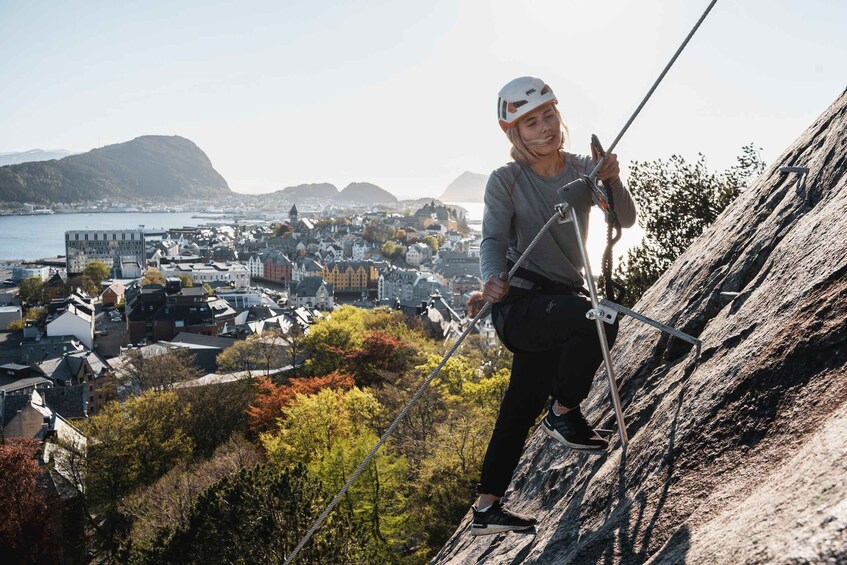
606	315
608	305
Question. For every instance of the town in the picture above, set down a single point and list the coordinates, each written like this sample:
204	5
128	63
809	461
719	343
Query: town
125	291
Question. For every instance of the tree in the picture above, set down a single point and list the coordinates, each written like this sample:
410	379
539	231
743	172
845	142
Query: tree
152	276
388	249
97	272
271	399
31	291
186	281
265	352
378	355
83	282
216	412
342	330
432	242
330	433
129	446
159	372
26	532
677	201
168	502
258	516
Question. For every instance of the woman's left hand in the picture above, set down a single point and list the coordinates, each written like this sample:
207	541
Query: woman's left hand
611	169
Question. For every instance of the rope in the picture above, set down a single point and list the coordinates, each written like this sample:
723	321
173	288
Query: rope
560	213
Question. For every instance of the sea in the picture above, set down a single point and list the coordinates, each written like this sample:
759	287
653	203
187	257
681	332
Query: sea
39	237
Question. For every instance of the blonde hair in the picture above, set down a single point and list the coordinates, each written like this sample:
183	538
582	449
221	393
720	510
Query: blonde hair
524	154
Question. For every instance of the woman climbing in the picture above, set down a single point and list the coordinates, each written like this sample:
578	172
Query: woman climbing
540	313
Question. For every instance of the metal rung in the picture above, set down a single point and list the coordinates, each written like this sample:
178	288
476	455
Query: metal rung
664	327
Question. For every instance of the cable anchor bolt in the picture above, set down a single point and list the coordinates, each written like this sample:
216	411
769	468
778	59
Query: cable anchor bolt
602	314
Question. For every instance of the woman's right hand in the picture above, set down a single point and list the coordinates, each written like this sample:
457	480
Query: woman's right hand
495	289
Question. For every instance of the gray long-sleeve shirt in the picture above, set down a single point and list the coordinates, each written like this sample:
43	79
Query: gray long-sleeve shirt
518	202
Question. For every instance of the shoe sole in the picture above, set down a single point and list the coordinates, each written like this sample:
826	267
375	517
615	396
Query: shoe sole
498	529
561	439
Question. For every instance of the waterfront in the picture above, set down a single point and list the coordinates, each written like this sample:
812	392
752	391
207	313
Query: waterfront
36	237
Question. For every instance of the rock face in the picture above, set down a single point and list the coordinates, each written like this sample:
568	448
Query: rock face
742	457
151	166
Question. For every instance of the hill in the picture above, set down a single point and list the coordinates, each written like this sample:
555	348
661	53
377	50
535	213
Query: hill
312	190
31	155
365	193
468	187
742	456
147	167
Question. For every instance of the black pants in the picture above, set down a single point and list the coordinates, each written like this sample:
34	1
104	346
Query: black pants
556	353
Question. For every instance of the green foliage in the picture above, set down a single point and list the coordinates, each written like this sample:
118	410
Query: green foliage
258	516
153	276
343	329
432	242
31	291
135	443
128	446
677	201
453	376
330	433
168	502
186	281
97	272
216	413
16	325
388	249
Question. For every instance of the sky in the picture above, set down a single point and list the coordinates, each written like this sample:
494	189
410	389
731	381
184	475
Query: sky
402	93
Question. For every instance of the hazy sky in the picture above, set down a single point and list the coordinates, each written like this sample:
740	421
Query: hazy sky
403	93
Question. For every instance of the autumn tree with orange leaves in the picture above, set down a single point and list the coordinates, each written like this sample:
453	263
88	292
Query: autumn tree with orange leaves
272	398
26	532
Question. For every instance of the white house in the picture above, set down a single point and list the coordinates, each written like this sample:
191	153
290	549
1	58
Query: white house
418	253
75	322
361	248
312	292
255	265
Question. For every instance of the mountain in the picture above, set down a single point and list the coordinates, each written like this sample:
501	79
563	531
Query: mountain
469	187
365	193
147	167
740	456
313	190
31	156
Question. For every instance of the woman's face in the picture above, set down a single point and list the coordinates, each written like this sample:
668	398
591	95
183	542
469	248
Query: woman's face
541	130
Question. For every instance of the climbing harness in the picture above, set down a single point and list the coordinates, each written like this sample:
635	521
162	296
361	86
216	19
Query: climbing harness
576	194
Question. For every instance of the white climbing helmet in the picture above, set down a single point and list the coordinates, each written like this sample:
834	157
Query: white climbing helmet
521	96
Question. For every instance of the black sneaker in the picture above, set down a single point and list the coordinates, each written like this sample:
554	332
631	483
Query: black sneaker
497	519
572	430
